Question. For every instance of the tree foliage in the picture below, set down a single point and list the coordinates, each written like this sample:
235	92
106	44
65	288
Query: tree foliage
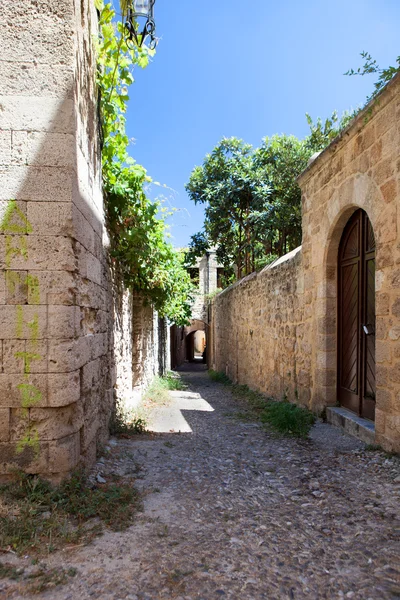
252	201
136	225
231	187
371	66
322	133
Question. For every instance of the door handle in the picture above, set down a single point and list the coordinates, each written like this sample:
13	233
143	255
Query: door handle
368	329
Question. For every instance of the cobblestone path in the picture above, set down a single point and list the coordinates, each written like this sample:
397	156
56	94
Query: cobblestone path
232	511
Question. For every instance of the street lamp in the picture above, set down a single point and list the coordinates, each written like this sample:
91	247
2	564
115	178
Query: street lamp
141	9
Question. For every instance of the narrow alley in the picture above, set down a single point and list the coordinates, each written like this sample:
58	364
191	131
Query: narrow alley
231	510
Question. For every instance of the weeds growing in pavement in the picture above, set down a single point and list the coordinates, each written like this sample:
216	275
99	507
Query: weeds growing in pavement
288	418
39	580
219	377
283	416
157	392
39	518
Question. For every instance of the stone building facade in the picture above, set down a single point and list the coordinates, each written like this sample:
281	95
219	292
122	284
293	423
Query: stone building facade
64	322
206	272
281	330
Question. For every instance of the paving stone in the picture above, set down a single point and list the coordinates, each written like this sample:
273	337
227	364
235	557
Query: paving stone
234	511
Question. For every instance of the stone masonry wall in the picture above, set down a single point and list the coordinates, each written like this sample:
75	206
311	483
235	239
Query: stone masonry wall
277	330
141	348
260	336
55	387
361	169
59	368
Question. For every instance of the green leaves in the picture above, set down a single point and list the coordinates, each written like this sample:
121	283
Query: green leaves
139	251
371	66
252	200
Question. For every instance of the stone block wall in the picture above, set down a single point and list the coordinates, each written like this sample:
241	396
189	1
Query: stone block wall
56	391
361	169
277	330
141	347
260	332
59	368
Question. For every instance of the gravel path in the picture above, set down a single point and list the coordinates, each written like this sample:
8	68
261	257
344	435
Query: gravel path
232	511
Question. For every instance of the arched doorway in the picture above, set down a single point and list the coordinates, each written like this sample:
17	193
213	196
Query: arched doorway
356	316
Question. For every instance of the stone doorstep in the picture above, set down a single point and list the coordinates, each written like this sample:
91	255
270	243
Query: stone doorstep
363	429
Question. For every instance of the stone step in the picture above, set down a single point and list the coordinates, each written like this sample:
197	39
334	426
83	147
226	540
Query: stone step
363	429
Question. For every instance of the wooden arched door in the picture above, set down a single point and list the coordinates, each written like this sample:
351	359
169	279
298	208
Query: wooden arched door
356	322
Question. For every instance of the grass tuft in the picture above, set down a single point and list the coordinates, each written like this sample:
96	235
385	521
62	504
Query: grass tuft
38	580
219	377
157	392
41	518
282	416
288	418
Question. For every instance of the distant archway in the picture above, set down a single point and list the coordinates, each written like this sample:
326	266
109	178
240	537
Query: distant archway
188	343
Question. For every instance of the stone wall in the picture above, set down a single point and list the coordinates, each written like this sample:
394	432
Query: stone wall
277	330
141	347
260	331
361	169
58	367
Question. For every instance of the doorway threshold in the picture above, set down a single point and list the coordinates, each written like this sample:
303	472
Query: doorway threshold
363	429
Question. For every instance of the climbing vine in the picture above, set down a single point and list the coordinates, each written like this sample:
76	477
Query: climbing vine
148	263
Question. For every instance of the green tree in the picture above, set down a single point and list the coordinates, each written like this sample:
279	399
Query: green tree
253	202
280	159
234	193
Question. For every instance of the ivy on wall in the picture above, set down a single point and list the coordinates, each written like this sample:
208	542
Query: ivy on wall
149	264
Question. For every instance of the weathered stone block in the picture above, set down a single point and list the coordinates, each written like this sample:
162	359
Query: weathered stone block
69	355
30	390
63	388
53	287
23	322
389	190
383	171
33	113
16	283
89	431
90	375
42	148
35	183
88	265
30	460
13	356
56	423
50	218
64	454
382	352
32	252
28	78
63	321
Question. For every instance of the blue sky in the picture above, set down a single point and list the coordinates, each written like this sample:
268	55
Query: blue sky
247	69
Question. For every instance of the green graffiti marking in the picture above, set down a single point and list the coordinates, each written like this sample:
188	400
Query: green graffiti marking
12	280
11	250
30	440
30	394
27	357
34	327
33	289
15	224
21	225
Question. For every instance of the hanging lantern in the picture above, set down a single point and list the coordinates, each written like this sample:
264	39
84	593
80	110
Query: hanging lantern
139	10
